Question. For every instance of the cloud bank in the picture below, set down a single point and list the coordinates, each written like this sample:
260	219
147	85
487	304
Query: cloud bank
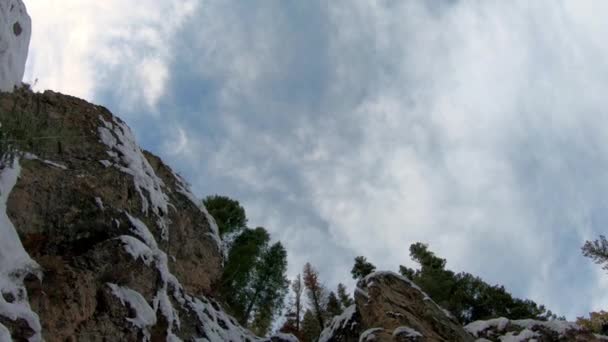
359	128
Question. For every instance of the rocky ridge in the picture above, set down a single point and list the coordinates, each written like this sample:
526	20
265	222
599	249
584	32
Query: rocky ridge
110	242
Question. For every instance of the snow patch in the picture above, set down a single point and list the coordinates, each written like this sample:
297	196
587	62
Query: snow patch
145	316
119	138
15	34
339	323
15	263
99	203
30	156
524	335
369	335
406	332
477	327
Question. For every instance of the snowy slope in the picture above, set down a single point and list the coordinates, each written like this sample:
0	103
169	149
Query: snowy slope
15	33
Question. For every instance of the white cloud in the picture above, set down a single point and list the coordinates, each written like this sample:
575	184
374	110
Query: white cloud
476	126
86	47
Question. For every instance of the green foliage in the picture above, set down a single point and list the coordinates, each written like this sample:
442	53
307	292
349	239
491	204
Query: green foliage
344	297
33	132
310	327
238	269
597	251
468	297
254	282
333	307
268	288
228	213
362	268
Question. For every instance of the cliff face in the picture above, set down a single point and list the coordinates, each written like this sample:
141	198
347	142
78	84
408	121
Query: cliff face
107	241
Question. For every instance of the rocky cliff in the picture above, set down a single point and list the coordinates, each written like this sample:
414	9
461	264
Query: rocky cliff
100	241
389	307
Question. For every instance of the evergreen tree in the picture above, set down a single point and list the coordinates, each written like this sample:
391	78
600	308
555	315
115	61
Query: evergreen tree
239	269
228	213
468	297
362	268
315	292
310	327
333	307
597	251
344	297
267	290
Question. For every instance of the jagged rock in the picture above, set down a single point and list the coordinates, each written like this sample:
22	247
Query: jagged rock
108	242
503	329
15	34
389	307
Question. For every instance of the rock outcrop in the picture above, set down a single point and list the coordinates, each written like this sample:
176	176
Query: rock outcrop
15	34
502	329
389	307
107	242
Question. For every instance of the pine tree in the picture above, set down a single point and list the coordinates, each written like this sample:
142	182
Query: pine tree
315	292
362	268
228	213
333	307
310	327
267	290
344	297
597	251
467	297
238	273
293	317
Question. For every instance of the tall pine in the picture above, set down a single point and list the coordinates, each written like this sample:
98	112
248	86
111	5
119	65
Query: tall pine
315	292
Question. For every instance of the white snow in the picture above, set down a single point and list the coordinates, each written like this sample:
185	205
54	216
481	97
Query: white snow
212	321
137	249
476	327
407	332
30	156
524	335
15	34
338	322
558	326
368	335
287	337
145	316
99	203
15	263
120	141
184	188
499	324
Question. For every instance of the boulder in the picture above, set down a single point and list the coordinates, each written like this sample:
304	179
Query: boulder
389	307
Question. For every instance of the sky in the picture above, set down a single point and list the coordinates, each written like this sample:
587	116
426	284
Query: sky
360	127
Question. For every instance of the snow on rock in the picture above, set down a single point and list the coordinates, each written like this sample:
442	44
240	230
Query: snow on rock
145	316
15	34
558	326
184	188
369	335
406	332
129	158
475	328
216	324
338	323
15	263
522	336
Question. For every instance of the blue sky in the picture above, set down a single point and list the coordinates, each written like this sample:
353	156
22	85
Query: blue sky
360	127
